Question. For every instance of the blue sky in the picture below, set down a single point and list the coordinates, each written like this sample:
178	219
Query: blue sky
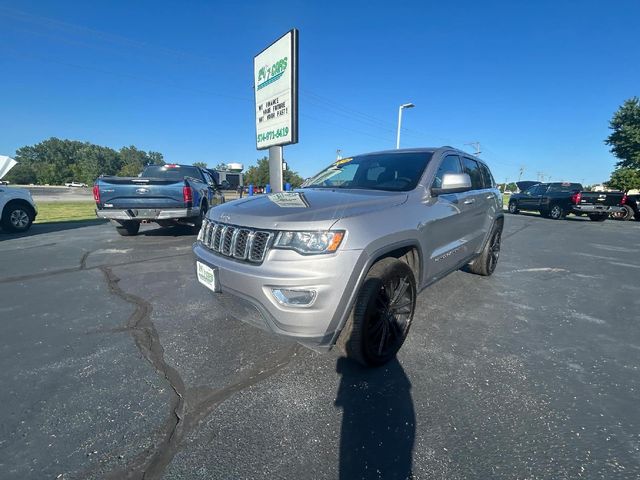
535	82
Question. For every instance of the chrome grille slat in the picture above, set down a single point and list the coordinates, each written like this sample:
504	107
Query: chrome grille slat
240	243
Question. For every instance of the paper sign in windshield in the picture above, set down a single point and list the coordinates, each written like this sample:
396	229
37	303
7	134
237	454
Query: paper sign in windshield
288	199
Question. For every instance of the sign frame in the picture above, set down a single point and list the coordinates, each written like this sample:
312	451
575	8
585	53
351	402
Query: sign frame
293	87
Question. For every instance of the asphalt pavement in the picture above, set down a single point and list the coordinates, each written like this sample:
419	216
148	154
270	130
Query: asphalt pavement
117	364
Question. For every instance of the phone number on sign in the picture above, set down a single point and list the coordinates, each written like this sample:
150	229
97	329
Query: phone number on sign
273	134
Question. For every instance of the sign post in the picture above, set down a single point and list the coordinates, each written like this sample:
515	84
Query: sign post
275	72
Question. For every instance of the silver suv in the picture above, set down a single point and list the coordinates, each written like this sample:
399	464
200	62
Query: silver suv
341	260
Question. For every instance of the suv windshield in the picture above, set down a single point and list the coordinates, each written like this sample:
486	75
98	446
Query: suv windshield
393	172
172	172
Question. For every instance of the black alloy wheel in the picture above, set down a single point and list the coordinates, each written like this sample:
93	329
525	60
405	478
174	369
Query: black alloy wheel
388	324
485	263
381	317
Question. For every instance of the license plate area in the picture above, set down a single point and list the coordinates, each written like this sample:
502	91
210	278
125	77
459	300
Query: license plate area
208	276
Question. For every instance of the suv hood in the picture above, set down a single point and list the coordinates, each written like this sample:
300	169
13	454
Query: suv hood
6	164
304	209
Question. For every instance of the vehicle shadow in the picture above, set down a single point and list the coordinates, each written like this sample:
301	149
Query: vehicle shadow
570	218
378	421
173	231
51	227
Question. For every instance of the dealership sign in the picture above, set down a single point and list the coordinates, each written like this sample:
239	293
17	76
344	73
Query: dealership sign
275	76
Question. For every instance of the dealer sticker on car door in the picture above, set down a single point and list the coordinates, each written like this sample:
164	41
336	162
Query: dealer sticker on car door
207	276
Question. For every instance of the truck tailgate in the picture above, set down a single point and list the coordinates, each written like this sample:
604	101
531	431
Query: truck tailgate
135	192
608	199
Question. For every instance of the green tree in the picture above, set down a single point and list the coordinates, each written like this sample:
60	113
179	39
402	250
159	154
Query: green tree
155	158
55	161
22	174
200	164
134	160
624	140
221	167
624	179
259	174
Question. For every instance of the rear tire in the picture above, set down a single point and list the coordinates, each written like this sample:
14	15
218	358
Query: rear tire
598	217
485	264
557	212
380	319
627	215
128	228
17	216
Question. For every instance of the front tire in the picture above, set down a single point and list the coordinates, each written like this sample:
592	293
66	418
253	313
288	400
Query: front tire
513	208
128	228
17	217
380	319
486	262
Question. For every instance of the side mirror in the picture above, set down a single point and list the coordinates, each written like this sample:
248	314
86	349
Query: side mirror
453	183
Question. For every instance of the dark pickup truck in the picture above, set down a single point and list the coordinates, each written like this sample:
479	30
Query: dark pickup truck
164	194
557	199
631	205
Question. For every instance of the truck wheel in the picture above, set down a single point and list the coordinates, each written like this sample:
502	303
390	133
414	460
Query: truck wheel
128	228
487	261
198	223
17	216
628	213
598	217
557	212
380	319
513	208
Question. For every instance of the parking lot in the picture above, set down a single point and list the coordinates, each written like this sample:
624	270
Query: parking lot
117	364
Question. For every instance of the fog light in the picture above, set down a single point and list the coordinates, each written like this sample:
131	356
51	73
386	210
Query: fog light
294	298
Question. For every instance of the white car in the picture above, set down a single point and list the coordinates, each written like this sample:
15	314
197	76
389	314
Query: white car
75	184
18	210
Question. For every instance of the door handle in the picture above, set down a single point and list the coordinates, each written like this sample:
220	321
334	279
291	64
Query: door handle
469	201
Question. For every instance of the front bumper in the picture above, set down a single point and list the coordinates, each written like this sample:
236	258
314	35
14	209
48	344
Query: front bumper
147	213
596	209
246	291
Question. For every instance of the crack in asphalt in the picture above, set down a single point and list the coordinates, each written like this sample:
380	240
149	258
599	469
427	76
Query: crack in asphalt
147	340
524	227
188	410
83	267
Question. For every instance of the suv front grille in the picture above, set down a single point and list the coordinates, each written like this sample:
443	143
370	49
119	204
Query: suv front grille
237	242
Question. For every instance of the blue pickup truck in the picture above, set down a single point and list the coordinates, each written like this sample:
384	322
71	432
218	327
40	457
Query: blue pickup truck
165	194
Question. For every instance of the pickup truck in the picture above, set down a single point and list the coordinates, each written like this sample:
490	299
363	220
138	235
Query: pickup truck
164	194
631	206
342	260
17	208
557	199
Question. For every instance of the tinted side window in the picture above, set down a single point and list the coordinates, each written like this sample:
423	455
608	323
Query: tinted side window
472	169
564	187
450	164
487	179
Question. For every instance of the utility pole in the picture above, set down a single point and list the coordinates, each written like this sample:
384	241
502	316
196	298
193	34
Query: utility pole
521	172
476	146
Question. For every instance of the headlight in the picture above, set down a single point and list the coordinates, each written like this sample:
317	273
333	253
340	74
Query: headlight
310	242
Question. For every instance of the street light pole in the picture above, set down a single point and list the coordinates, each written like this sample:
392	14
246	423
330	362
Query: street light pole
402	107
